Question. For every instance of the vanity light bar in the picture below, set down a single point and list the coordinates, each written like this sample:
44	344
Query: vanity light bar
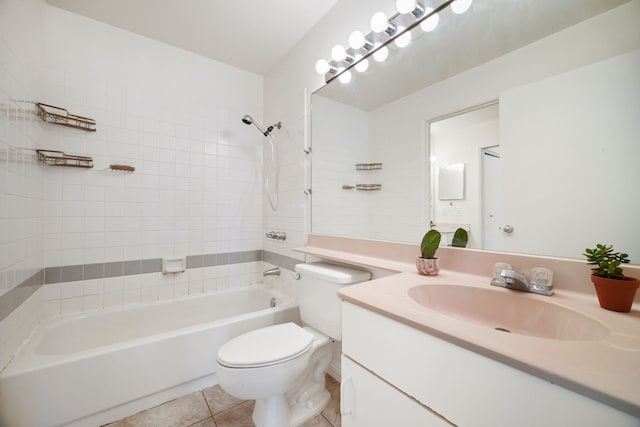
383	31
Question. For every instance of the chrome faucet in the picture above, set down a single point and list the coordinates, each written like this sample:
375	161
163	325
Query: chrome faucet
512	279
275	271
277	235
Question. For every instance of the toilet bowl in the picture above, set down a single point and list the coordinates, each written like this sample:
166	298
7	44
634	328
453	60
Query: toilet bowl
282	367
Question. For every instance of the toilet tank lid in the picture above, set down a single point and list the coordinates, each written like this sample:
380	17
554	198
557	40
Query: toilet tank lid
333	273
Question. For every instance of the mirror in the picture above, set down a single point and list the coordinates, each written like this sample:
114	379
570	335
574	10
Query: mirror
563	173
451	182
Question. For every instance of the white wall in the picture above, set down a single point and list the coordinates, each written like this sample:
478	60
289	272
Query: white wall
21	253
176	117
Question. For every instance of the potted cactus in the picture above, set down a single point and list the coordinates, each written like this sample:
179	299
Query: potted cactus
615	290
460	238
427	264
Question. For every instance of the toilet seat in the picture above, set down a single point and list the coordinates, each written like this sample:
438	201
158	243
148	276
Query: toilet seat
265	346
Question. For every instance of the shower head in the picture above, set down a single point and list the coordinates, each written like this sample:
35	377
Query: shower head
248	120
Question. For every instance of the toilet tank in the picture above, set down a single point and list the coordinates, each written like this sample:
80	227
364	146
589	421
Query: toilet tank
320	306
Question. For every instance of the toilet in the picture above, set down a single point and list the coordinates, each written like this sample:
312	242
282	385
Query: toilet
282	367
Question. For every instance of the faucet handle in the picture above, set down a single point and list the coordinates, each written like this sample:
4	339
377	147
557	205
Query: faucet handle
541	278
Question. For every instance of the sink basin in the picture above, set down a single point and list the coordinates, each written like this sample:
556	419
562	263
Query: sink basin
509	312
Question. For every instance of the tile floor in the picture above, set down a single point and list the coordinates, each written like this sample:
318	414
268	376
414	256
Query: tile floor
212	407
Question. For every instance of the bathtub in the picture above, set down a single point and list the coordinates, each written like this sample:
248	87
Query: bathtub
90	369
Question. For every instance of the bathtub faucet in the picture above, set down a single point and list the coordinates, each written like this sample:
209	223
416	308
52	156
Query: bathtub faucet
275	271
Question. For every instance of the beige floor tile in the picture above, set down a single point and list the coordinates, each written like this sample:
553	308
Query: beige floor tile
332	410
219	400
238	416
205	423
317	421
181	412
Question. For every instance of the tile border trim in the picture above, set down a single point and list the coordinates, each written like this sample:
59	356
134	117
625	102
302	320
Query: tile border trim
12	299
19	294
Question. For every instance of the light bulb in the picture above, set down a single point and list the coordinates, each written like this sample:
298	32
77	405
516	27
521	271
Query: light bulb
361	64
379	22
345	77
460	6
338	53
406	6
381	54
403	40
431	22
356	40
322	67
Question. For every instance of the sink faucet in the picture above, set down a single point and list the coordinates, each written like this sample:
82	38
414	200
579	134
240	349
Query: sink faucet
275	271
512	279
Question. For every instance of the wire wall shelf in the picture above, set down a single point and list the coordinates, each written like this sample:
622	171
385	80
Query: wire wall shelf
122	168
60	116
58	158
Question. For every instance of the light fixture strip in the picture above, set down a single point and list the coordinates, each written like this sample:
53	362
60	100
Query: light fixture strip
331	76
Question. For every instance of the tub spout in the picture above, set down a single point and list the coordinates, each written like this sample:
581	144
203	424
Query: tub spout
275	271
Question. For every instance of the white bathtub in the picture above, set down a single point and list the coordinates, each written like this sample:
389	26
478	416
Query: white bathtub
90	369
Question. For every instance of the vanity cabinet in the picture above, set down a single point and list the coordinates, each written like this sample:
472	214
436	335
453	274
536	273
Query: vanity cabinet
394	374
367	401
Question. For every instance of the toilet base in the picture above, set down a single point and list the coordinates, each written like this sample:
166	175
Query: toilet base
305	400
276	411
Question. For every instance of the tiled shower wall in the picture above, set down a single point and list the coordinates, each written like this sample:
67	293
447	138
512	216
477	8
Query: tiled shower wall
197	185
21	253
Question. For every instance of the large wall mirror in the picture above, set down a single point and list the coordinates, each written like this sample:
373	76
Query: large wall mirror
538	101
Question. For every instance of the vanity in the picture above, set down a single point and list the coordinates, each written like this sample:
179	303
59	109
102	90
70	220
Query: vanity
434	351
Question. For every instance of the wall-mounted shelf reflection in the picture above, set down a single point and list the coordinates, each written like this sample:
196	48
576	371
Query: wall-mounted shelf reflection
368	187
58	158
60	116
368	166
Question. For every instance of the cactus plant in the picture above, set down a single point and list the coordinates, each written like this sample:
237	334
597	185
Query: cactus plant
430	243
460	238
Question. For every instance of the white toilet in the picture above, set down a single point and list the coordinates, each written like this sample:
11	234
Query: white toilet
282	367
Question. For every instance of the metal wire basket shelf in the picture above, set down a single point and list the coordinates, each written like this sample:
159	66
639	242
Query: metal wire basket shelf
60	116
58	158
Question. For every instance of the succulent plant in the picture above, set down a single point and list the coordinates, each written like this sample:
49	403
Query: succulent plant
430	243
607	261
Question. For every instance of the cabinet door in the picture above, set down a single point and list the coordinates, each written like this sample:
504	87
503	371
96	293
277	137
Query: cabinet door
368	401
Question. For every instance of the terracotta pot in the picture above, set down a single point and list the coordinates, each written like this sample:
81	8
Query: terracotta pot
428	266
616	294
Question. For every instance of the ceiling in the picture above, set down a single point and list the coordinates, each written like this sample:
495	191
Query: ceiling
252	34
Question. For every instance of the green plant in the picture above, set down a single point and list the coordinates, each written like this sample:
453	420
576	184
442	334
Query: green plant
430	243
607	261
460	238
